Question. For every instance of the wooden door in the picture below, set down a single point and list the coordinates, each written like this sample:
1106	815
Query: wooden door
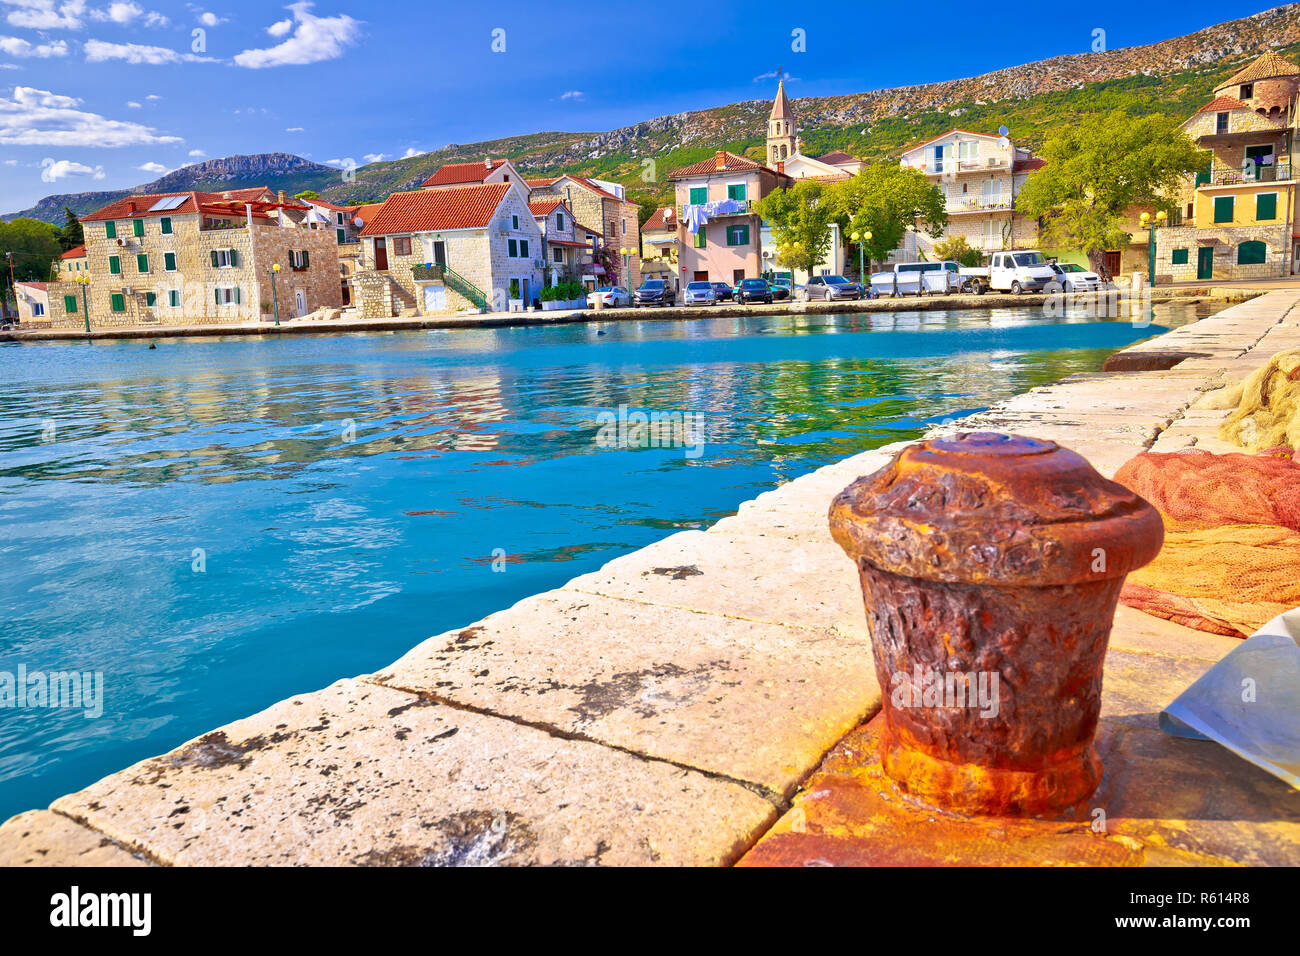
381	254
1205	262
1112	263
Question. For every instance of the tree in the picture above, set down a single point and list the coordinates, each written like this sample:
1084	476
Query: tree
33	245
886	199
71	235
1100	168
800	218
957	249
307	194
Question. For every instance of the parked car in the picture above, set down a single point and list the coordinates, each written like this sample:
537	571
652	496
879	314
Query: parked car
1024	270
701	293
611	296
830	287
722	290
1072	277
918	278
782	290
653	292
752	290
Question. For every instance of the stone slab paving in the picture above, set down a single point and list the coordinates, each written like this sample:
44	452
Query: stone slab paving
664	708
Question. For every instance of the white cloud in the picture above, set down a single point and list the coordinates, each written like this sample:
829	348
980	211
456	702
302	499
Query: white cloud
572	95
32	117
156	19
197	154
153	96
294	129
120	11
100	51
209	19
280	28
314	39
52	170
16	46
156	168
132	104
348	163
412	151
46	14
374	157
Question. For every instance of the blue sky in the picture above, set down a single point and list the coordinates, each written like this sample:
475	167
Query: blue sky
102	94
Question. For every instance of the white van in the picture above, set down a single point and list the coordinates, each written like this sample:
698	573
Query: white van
1021	270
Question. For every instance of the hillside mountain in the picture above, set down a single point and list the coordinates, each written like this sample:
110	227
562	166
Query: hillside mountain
1173	77
275	170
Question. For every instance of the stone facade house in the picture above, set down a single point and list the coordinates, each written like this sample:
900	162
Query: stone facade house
195	257
981	174
449	249
659	258
70	265
564	250
472	174
602	206
1238	217
723	188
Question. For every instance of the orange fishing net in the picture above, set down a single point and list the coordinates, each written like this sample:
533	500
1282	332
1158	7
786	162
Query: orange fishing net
1231	557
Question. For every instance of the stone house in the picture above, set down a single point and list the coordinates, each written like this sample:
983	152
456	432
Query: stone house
564	250
1238	216
601	206
69	265
980	174
34	302
195	257
341	219
659	259
472	174
448	249
723	189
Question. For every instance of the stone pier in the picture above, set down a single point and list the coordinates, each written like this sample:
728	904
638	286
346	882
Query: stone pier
701	701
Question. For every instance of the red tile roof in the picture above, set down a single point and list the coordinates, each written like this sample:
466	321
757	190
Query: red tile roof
37	285
1221	103
836	158
1028	165
76	252
544	207
455	174
329	205
544	181
1265	66
583	182
734	164
955	129
194	202
661	220
456	207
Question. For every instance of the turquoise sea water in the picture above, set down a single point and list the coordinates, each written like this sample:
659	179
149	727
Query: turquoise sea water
218	524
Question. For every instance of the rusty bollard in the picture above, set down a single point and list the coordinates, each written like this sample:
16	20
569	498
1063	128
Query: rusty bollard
990	567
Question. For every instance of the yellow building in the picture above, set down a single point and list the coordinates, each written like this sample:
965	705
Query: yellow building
1238	217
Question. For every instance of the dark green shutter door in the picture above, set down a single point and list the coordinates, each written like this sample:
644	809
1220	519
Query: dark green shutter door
70	303
213	254
306	259
137	226
110	230
1266	206
1223	208
234	257
236	295
1179	257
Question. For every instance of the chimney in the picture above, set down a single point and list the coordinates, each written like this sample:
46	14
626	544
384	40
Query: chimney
720	159
130	207
487	163
780	166
226	195
279	197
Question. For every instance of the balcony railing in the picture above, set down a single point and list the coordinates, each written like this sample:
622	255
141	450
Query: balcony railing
978	205
746	209
1223	175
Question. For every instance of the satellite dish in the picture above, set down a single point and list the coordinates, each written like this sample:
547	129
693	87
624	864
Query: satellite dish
1003	131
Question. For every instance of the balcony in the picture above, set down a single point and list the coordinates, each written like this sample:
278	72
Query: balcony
956	207
1222	175
746	209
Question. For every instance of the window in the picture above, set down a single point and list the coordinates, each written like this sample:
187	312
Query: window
174	298
736	191
1266	206
224	258
738	235
227	295
514	222
1247	91
1178	257
1221	123
142	263
700	241
338	218
69	303
612	230
1223	208
559	222
117	302
402	246
523	248
340	234
114	265
625	227
151	299
512	248
559	255
38	309
166	225
137	227
1251	253
299	260
968	150
110	230
699	195
169	262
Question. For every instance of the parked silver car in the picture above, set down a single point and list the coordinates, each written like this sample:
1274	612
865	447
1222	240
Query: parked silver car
701	293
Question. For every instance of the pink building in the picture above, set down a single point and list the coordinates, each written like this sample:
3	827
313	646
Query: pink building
719	229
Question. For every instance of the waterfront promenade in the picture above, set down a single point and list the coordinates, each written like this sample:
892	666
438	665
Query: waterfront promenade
703	701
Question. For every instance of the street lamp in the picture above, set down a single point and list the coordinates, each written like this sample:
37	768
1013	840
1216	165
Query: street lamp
626	272
84	281
861	239
1152	224
274	295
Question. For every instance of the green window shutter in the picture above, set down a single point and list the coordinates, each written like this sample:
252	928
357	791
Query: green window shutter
114	265
137	227
236	295
213	254
110	230
69	303
117	302
234	258
1266	206
700	241
166	225
216	293
1179	257
523	248
174	298
736	191
169	261
142	263
512	249
1223	208
150	299
306	260
699	195
1251	253
340	234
